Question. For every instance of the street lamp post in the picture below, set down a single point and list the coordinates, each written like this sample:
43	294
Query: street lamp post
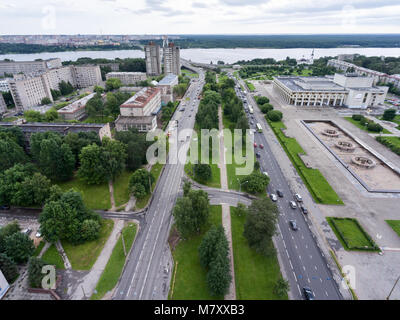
240	184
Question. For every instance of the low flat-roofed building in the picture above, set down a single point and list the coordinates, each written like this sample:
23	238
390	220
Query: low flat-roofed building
127	78
146	102
142	124
348	90
167	87
75	110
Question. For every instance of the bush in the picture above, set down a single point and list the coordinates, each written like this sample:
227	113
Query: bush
202	172
389	114
375	127
19	247
265	108
45	101
35	274
356	117
8	267
90	230
275	115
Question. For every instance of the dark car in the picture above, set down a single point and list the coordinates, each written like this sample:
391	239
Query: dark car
5	207
279	193
293	225
304	210
308	294
258	155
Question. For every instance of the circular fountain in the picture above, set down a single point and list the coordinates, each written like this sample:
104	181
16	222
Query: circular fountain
363	162
330	133
345	146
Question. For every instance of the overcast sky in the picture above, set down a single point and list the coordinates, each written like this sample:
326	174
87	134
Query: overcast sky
198	16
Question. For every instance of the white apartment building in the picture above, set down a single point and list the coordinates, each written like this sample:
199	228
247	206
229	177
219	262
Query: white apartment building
153	59
140	111
15	67
3	106
28	91
347	90
4	85
167	87
75	110
172	59
86	75
127	78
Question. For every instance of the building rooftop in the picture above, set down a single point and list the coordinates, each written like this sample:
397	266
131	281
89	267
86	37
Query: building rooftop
310	84
135	120
81	103
141	98
168	80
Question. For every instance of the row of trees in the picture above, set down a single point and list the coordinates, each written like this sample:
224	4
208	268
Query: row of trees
268	109
97	107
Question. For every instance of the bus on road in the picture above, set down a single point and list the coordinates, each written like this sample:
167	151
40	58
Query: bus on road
259	128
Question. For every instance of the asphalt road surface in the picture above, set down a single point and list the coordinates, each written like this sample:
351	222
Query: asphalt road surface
303	261
138	280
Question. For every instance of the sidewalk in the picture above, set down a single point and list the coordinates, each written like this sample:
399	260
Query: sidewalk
88	284
226	212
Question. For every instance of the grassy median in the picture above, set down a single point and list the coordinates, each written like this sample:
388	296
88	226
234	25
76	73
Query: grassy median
319	188
52	257
189	278
255	274
112	272
395	225
83	256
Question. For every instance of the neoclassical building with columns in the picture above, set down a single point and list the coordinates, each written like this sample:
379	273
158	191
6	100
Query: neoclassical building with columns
342	90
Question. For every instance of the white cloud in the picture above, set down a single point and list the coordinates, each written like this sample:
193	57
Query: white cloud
201	16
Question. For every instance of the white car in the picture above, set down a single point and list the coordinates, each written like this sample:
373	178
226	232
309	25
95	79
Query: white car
273	197
38	234
265	173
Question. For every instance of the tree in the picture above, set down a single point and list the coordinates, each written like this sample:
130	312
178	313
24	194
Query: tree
262	100
65	88
92	170
114	157
275	115
260	225
143	177
45	100
35	274
389	114
90	230
375	127
33	191
219	276
19	247
51	115
11	153
202	171
98	89
214	242
8	230
33	116
95	106
77	141
256	182
187	186
265	108
139	191
191	213
113	84
281	287
8	267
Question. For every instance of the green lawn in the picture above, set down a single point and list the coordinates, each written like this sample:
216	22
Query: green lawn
250	86
358	125
255	274
39	248
320	189
52	257
121	188
233	183
393	143
395	224
115	264
351	235
83	256
190	277
215	181
96	197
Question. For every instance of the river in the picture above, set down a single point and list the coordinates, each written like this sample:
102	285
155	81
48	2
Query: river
208	55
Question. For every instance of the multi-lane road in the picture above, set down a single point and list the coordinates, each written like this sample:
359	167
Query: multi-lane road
304	263
139	279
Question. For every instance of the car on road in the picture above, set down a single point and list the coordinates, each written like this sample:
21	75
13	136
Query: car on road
261	146
258	155
279	193
298	197
265	173
293	225
5	207
255	145
38	234
293	204
304	210
308	294
273	197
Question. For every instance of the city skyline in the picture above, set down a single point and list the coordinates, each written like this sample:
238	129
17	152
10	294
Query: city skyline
198	17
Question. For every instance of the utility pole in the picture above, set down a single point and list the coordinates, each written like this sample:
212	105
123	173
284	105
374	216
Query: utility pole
391	291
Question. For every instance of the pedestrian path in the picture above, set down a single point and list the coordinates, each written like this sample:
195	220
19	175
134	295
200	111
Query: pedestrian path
226	212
